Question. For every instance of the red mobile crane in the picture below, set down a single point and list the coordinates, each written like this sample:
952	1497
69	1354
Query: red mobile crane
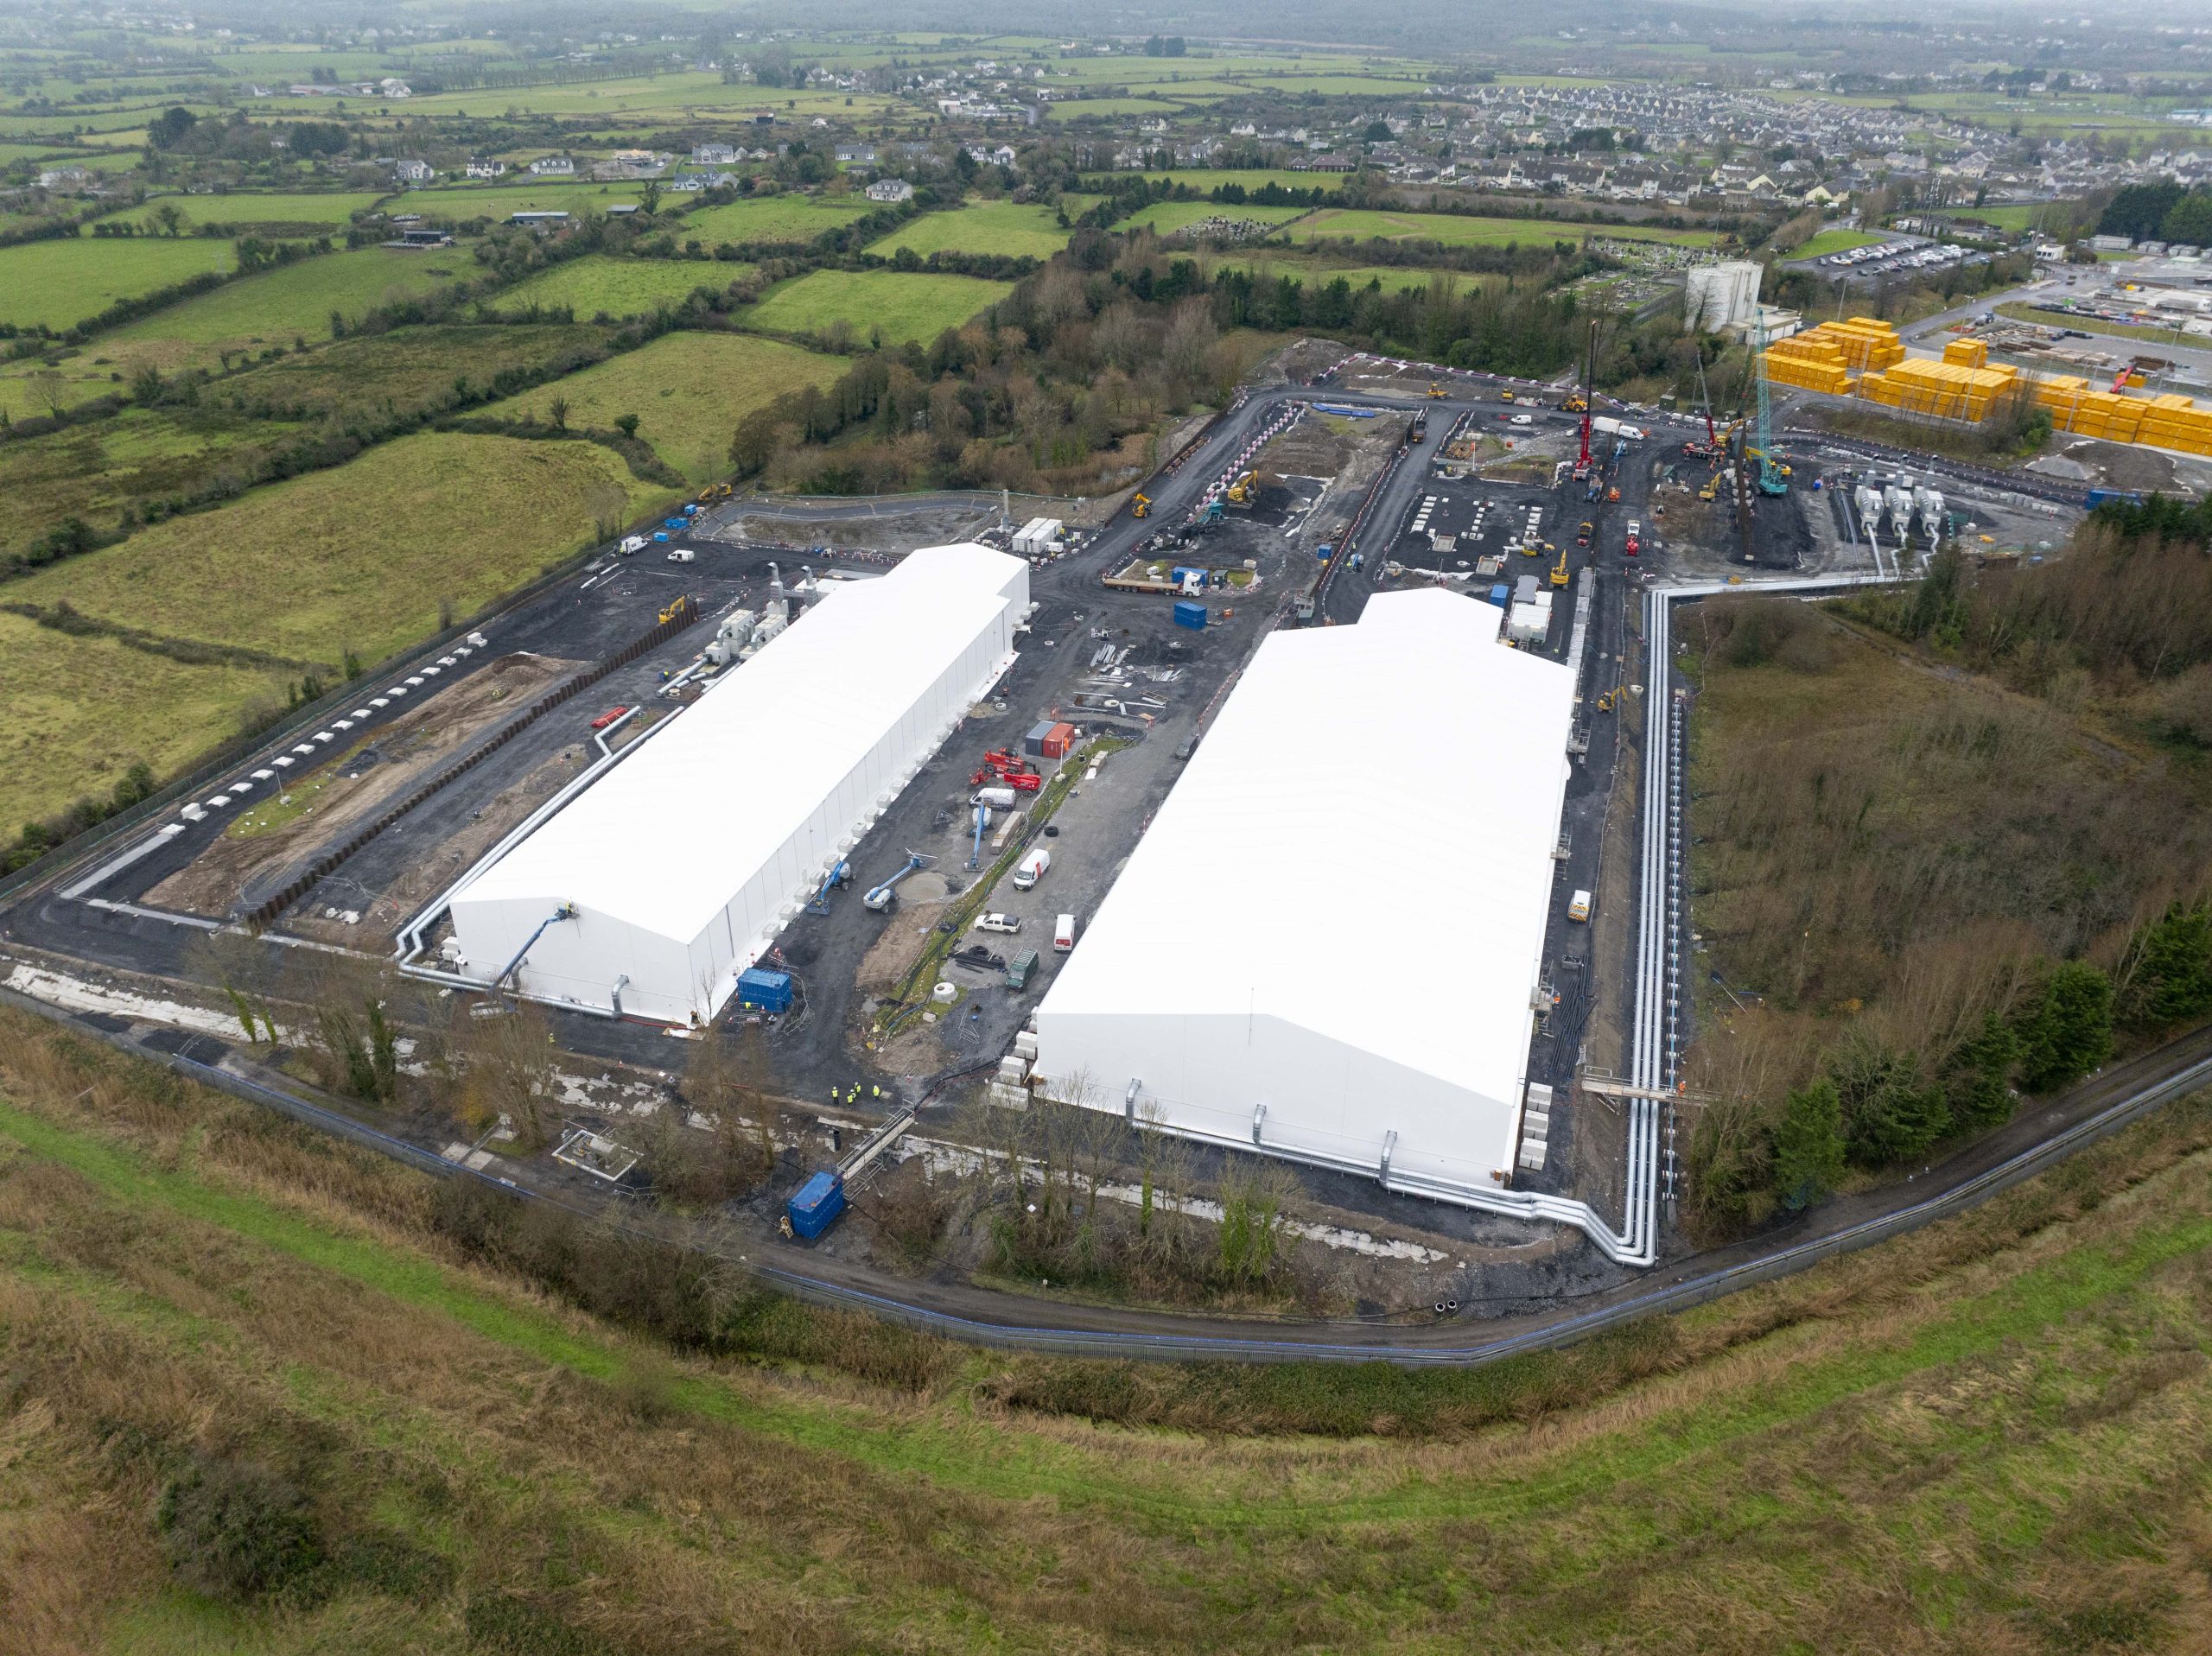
1711	448
1589	374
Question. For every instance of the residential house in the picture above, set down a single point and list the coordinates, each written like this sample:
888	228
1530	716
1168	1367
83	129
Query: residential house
414	172
890	191
713	154
552	167
487	168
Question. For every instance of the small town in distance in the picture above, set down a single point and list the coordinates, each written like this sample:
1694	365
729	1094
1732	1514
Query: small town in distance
968	767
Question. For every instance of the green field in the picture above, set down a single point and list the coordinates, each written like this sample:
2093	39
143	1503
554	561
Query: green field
1167	217
2018	215
773	218
1392	276
1988	1436
1005	228
408	367
1076	108
1453	231
1207	180
83	711
357	558
620	286
295	300
689	391
498	200
1832	241
901	306
58	284
93	471
332	211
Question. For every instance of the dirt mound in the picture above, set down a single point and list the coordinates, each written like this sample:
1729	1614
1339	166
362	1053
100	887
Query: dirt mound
289	824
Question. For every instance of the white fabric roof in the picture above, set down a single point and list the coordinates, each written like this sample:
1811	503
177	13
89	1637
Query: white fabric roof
664	841
1360	847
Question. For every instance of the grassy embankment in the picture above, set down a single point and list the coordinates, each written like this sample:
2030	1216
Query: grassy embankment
2020	311
1832	241
1989	1436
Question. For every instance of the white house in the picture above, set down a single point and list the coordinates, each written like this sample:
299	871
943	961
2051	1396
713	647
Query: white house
893	190
552	167
414	172
488	169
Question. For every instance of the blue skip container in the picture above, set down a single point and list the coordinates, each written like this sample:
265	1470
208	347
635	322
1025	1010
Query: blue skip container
817	1204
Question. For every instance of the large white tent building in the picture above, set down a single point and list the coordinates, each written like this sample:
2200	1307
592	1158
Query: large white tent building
679	867
1328	943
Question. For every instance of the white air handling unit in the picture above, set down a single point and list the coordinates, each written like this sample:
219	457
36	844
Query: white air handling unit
681	866
1300	961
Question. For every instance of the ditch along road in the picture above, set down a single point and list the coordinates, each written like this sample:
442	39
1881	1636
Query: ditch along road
2046	1133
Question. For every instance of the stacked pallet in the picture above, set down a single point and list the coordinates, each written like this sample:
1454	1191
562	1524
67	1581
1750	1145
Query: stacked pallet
1810	362
2173	421
1949	390
2075	407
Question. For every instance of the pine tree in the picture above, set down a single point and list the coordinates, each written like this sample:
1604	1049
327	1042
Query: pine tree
1808	1145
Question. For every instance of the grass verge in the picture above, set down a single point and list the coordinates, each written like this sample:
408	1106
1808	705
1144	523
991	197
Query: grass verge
1990	1435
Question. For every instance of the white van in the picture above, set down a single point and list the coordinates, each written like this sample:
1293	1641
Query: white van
1030	869
1578	907
682	554
1064	933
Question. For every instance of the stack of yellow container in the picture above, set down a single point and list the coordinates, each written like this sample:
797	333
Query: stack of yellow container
1964	386
1947	390
1866	344
2075	407
1810	362
2176	423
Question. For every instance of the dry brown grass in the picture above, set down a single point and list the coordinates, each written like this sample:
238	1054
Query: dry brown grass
1887	1454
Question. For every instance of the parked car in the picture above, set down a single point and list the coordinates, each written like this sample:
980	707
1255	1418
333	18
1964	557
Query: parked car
1524	419
1000	922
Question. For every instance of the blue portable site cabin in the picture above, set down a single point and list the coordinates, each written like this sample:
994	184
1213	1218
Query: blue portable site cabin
1190	614
767	991
817	1204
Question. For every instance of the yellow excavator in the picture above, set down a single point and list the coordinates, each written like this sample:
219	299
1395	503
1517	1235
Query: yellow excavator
1244	490
1577	404
1558	569
1140	506
681	607
1435	389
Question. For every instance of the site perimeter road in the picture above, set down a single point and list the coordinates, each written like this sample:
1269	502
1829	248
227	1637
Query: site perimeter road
122	939
2029	1145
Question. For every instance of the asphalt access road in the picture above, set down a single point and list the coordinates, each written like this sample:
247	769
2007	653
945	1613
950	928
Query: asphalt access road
2032	1142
